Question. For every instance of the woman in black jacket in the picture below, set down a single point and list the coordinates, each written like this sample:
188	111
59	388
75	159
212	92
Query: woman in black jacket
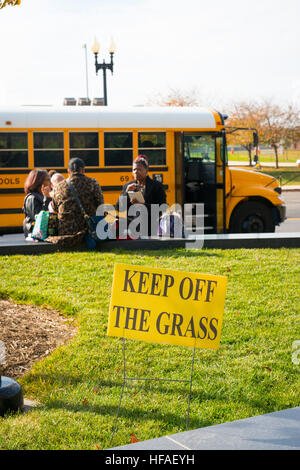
37	189
153	191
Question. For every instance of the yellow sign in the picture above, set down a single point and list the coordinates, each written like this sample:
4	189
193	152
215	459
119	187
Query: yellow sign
167	306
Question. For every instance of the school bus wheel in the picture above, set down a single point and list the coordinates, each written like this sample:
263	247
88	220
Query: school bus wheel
252	217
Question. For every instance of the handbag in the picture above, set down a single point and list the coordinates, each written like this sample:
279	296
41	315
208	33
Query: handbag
171	224
40	228
91	221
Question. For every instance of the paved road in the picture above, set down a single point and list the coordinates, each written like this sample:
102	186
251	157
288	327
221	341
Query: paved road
292	224
292	199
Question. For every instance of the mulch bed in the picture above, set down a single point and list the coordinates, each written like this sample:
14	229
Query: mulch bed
30	333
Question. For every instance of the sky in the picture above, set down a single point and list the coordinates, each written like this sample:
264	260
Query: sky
220	51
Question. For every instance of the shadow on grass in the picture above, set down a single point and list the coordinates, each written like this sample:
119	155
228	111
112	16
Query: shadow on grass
145	384
259	405
174	252
132	413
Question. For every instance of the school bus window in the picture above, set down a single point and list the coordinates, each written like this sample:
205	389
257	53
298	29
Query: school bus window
200	147
85	145
48	149
13	150
48	140
118	148
153	144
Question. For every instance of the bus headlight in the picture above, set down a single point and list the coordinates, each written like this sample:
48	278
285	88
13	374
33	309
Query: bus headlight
278	190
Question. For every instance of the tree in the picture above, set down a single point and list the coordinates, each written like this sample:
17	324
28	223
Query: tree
176	97
5	3
242	115
275	124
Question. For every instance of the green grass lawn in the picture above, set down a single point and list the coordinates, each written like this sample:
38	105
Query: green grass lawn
79	385
286	176
288	156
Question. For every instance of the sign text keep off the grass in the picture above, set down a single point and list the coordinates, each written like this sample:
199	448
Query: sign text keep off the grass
167	306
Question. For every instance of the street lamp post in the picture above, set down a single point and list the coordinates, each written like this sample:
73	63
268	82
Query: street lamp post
104	66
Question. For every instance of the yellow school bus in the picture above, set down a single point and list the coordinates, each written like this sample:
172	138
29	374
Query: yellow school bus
186	148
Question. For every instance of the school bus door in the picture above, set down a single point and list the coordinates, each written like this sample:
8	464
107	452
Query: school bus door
200	175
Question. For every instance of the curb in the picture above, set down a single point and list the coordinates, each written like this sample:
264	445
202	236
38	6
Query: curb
18	246
279	430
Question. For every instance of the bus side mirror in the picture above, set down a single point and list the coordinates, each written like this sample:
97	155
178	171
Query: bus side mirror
255	139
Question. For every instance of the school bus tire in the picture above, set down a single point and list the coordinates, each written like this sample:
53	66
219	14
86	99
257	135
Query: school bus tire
252	217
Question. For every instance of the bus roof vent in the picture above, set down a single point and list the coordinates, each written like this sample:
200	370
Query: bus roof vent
98	102
69	102
84	102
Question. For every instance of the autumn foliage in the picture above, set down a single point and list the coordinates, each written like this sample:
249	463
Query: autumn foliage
176	97
242	115
276	125
5	3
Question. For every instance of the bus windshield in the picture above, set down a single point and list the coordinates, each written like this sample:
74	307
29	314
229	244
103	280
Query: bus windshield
200	147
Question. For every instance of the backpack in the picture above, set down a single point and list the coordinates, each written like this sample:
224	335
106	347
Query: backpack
171	225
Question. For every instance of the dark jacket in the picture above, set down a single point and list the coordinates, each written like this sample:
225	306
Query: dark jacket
33	204
154	194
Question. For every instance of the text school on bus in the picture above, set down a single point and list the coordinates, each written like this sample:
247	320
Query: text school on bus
185	146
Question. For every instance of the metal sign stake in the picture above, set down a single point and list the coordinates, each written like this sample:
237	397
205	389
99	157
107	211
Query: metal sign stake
156	379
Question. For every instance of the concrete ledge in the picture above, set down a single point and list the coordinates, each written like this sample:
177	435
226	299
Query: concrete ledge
16	244
249	240
226	241
273	431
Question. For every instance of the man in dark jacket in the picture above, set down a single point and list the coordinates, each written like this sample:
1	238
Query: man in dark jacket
71	222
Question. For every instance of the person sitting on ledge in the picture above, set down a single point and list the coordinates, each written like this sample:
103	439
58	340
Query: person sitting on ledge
72	226
55	179
37	190
152	191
